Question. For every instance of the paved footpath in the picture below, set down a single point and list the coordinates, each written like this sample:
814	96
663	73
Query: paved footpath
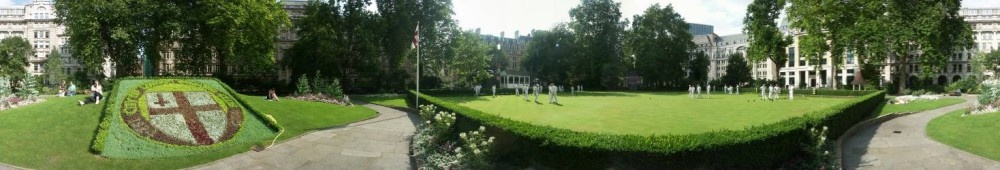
879	147
378	143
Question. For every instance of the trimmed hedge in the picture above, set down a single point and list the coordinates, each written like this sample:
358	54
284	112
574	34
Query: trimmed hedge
115	139
763	146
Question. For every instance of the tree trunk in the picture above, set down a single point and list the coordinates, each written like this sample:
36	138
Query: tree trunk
833	74
904	74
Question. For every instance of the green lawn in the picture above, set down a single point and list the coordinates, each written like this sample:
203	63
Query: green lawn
385	100
917	106
648	112
57	134
979	134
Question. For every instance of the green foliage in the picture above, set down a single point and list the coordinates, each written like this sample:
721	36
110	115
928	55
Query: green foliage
986	62
552	56
467	62
766	41
434	148
757	146
965	85
661	44
14	52
698	68
319	84
5	89
334	88
238	33
990	91
737	71
54	73
29	87
303	85
598	30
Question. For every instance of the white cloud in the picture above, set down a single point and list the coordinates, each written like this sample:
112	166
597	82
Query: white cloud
7	3
980	3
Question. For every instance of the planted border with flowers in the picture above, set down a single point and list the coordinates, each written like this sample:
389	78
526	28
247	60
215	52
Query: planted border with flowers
764	146
170	117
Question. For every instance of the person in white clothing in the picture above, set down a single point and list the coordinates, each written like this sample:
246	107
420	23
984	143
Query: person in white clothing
690	91
494	90
97	91
763	92
791	92
698	90
553	92
536	89
524	88
708	91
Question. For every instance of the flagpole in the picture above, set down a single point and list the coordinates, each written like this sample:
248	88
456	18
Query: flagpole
417	101
417	44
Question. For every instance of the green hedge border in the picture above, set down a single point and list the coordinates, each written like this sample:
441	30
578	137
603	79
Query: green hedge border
756	146
106	115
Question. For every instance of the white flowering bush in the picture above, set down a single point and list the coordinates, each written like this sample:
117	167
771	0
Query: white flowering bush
433	149
474	153
911	98
820	149
989	92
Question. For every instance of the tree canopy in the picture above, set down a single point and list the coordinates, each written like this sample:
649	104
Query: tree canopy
737	71
598	29
14	51
766	40
237	33
662	46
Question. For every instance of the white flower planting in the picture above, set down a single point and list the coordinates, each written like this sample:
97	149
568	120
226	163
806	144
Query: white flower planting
199	98
910	98
432	150
172	125
214	122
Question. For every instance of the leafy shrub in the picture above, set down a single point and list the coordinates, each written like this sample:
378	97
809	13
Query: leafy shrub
966	85
319	83
303	85
990	91
432	148
758	147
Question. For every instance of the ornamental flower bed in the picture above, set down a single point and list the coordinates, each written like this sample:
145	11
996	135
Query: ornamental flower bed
160	118
910	98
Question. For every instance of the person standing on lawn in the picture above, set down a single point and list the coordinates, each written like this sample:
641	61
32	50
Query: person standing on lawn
494	91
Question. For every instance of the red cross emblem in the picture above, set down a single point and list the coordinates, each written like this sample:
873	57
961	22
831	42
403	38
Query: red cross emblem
185	118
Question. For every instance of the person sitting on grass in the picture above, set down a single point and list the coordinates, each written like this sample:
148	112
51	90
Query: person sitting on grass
271	95
62	89
347	100
96	89
72	89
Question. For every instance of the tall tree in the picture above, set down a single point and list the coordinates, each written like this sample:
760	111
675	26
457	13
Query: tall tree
399	18
737	71
697	68
661	44
14	51
827	28
54	68
469	61
598	30
767	43
551	56
924	33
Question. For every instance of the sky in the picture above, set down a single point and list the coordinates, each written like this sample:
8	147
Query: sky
495	16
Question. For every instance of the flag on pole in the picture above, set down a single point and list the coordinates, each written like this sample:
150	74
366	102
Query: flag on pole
416	36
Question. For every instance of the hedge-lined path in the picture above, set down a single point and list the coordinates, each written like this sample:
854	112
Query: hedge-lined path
879	146
378	143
